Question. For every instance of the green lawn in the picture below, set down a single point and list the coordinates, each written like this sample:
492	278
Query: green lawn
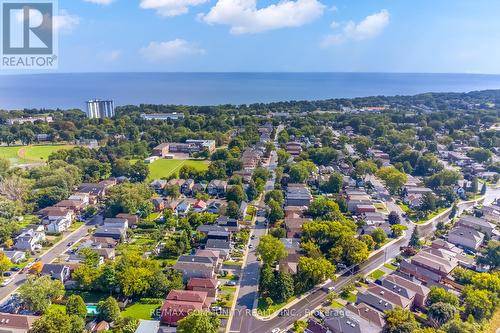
377	274
350	298
163	168
140	310
264	310
30	154
337	305
387	265
60	307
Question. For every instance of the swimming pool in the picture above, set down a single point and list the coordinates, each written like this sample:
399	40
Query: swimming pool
92	310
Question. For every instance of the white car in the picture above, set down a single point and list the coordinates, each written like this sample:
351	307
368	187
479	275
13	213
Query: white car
276	330
6	282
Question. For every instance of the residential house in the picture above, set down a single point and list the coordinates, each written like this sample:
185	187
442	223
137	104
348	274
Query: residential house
83	197
116	222
416	292
199	206
425	275
115	233
222	246
434	263
294	211
293	226
180	303
230	224
131	219
14	323
217	187
298	195
29	239
187	187
466	237
294	148
350	323
56	271
183	208
207	228
214	207
158	185
96	191
158	204
14	256
382	299
207	285
368	313
74	205
478	224
195	266
58	226
219	235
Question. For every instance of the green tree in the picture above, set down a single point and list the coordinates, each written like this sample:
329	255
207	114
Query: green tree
76	306
199	322
458	326
37	293
325	209
491	255
5	263
283	287
266	280
313	271
399	320
368	240
393	178
394	218
276	212
415	238
108	309
397	230
379	236
439	295
299	326
236	194
479	303
365	167
58	322
334	183
298	173
270	249
233	210
4	166
440	313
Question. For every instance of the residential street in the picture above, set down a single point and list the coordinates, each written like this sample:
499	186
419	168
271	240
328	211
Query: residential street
249	282
50	255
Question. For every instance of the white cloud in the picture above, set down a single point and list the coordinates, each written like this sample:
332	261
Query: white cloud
157	51
170	7
244	17
370	27
65	22
100	2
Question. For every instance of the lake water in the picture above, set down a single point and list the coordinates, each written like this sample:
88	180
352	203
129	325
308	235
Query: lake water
72	90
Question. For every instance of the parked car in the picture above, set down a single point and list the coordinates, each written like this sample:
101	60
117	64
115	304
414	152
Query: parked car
7	274
276	330
231	283
6	282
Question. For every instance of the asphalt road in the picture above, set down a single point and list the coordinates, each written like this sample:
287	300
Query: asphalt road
249	282
50	255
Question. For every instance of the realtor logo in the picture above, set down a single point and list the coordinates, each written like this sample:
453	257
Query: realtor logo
28	39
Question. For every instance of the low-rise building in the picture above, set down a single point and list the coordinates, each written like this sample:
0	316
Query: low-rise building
466	237
196	266
180	303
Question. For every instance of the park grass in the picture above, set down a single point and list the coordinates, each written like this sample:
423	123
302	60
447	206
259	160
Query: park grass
377	274
140	310
164	168
30	154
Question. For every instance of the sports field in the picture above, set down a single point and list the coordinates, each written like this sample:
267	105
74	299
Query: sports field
30	154
164	168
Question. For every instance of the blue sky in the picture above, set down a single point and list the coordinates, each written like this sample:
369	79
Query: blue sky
461	36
